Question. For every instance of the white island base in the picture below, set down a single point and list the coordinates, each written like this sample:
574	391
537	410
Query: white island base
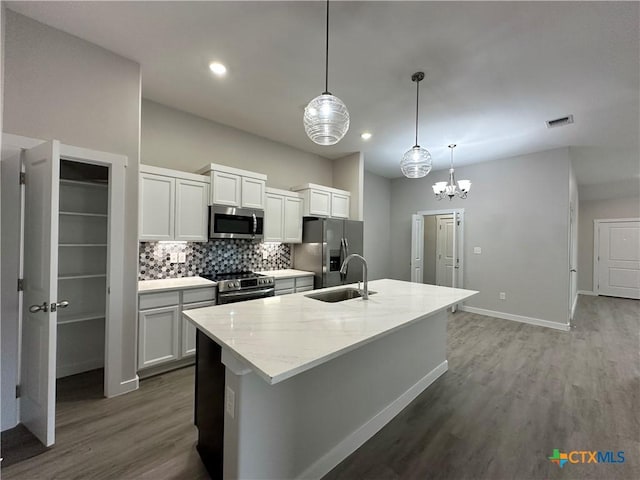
306	425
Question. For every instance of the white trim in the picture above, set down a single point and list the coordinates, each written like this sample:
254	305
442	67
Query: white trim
587	292
518	318
167	172
350	444
83	154
127	386
210	167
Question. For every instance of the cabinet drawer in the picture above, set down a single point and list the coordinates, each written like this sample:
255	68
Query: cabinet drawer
284	291
304	281
193	295
304	289
157	300
284	283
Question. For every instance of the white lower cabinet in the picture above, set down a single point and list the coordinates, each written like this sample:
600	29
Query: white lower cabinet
285	286
163	335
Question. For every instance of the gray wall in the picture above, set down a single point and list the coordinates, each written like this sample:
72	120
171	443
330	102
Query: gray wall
591	210
348	174
175	139
517	213
58	86
574	211
430	247
377	204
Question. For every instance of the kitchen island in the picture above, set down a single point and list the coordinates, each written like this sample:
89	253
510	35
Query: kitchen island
287	387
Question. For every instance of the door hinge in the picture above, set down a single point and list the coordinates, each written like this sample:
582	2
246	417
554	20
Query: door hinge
21	284
23	178
18	391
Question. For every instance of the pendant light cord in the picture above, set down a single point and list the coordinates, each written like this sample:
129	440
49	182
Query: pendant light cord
326	57
417	104
451	156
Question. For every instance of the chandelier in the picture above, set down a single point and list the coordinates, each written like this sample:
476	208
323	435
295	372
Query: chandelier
326	118
416	162
451	189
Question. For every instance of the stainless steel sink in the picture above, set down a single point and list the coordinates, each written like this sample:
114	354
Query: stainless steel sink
334	296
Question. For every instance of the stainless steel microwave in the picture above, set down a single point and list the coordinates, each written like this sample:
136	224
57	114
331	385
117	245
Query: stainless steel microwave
231	222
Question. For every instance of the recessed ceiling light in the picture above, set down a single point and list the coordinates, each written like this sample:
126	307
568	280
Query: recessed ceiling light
365	135
217	68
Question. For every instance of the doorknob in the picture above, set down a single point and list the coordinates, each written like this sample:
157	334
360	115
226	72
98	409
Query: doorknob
62	304
573	270
39	308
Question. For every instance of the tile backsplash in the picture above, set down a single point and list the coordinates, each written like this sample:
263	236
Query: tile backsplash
213	256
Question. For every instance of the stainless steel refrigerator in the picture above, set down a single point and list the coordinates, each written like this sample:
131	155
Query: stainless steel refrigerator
326	242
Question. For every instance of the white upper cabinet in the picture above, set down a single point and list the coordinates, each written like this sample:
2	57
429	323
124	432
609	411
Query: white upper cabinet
157	213
321	201
225	189
191	218
233	187
283	216
173	205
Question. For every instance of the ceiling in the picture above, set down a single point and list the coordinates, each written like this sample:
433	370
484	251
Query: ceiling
495	71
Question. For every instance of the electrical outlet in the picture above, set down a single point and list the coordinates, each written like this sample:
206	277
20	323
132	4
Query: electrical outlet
173	257
230	404
182	257
477	250
503	296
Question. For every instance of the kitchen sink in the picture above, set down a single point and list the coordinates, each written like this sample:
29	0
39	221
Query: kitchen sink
334	296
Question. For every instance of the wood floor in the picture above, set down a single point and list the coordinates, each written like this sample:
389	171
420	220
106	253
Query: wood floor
512	394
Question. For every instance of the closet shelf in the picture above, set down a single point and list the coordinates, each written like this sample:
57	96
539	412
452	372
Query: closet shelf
81	317
82	214
81	275
64	181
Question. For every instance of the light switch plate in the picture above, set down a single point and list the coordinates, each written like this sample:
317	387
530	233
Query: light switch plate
173	257
182	257
477	250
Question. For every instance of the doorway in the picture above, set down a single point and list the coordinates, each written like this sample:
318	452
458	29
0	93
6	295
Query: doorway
437	247
67	253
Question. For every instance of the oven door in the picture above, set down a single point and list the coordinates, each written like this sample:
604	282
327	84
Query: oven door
230	222
241	296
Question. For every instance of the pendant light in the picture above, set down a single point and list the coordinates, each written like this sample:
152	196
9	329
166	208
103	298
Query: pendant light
452	189
416	162
326	118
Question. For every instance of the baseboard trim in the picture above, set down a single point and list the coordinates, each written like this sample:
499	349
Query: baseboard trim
518	318
355	440
123	387
587	292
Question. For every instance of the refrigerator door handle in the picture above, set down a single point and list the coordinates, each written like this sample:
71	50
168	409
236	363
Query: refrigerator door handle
343	256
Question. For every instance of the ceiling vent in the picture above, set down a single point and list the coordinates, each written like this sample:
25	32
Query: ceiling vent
560	122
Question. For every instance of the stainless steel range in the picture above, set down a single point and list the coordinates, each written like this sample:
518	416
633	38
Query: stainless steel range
240	286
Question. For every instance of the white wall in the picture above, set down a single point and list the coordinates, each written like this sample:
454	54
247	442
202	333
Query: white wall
58	86
517	212
377	214
175	139
348	174
590	210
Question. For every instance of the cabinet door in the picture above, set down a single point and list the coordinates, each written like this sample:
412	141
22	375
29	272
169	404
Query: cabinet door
339	205
273	218
188	343
157	336
156	213
319	203
192	211
253	193
225	189
292	220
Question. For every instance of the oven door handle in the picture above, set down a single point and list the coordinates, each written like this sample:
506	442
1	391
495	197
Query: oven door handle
245	293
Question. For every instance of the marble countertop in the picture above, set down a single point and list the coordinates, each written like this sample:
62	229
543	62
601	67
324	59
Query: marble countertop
279	337
285	273
146	286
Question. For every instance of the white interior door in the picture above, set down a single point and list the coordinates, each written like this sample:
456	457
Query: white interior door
417	247
38	396
446	252
619	259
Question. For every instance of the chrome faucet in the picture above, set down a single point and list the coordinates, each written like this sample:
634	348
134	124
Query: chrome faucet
343	270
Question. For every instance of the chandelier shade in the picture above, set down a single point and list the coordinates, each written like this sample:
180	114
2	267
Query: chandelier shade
452	189
326	118
416	162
